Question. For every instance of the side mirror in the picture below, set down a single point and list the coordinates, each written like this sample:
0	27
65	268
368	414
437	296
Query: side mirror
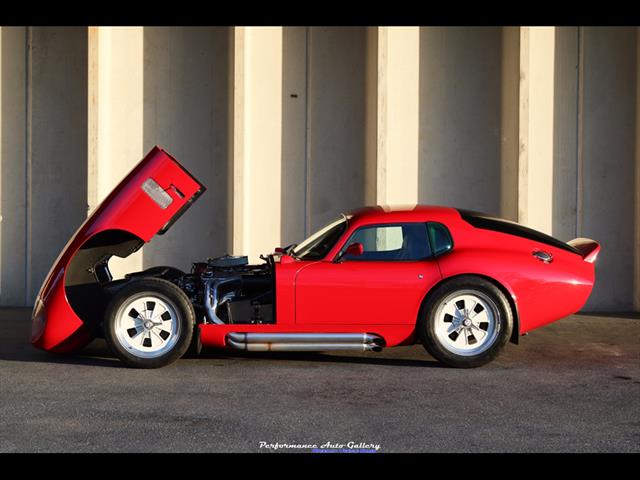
284	250
355	249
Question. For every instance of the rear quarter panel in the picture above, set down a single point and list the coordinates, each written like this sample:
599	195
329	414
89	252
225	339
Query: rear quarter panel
542	292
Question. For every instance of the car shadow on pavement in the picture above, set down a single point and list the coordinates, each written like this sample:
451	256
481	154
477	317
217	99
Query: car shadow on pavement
317	357
27	353
97	354
15	346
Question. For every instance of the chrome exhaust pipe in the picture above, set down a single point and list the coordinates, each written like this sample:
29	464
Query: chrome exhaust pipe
212	297
364	338
304	342
303	347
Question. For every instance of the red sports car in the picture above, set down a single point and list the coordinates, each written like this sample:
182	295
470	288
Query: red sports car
460	282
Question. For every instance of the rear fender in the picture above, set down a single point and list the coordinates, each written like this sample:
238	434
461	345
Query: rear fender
541	292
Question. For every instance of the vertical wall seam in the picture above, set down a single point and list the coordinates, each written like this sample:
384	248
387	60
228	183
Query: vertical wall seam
28	164
523	127
579	134
307	149
231	128
1	204
93	128
636	292
382	59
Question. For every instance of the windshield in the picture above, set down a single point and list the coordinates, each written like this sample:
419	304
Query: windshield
318	245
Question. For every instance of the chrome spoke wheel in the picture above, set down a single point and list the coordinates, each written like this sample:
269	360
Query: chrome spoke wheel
147	325
467	322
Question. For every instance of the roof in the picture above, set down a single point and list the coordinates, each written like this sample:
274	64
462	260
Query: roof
403	213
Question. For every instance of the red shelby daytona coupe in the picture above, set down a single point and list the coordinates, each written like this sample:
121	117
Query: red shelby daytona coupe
459	282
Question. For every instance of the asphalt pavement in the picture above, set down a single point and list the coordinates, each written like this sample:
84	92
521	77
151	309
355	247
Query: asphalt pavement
573	386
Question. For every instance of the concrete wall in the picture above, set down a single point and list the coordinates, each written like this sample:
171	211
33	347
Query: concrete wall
336	131
606	188
460	117
326	121
290	126
636	248
57	144
295	165
44	145
566	80
186	95
13	167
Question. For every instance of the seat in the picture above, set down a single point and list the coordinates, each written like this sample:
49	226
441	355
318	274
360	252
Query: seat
414	242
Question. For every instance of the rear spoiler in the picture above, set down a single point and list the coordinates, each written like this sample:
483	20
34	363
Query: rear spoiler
588	248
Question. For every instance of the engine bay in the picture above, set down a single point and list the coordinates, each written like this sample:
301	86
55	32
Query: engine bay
227	290
222	290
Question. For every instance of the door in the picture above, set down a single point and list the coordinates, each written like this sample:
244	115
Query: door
383	286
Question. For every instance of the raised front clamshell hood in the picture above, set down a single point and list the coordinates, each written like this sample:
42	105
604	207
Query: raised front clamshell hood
153	195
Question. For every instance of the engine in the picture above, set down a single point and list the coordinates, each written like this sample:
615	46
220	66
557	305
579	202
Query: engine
228	290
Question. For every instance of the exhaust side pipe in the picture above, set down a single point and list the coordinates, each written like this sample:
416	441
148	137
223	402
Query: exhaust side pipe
364	338
304	342
304	347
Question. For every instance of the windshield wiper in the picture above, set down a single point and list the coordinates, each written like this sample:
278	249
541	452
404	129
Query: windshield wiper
289	248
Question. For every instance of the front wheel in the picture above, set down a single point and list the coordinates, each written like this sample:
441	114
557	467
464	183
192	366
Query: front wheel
149	323
466	322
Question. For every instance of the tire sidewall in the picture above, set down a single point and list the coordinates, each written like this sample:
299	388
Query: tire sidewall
184	311
427	322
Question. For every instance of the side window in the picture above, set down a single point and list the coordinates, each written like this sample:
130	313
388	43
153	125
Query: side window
440	238
407	241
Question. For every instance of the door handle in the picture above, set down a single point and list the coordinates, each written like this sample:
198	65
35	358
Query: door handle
545	257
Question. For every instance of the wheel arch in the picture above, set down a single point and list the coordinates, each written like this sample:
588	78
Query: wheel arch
515	334
87	273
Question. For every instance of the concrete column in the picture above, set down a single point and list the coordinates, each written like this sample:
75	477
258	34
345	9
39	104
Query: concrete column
537	53
257	124
186	111
608	160
115	117
549	120
509	127
13	167
398	115
460	117
56	144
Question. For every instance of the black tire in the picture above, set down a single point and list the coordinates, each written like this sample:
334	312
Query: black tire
195	347
172	296
465	285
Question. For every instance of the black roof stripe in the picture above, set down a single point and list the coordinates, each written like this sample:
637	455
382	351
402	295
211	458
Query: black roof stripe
487	222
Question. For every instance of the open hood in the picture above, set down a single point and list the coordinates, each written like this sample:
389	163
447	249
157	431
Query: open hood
153	195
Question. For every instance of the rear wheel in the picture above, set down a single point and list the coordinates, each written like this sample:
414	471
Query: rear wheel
466	322
149	323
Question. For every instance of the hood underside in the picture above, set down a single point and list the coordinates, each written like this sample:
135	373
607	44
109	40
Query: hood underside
152	196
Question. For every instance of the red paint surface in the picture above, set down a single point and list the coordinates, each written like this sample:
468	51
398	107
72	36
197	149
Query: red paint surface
376	297
126	208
